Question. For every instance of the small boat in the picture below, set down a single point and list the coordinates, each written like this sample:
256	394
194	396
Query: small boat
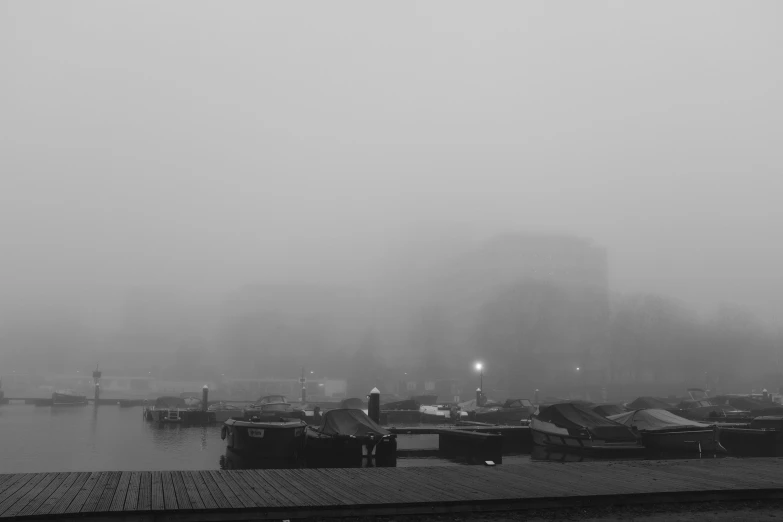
280	441
511	412
68	398
348	435
605	410
575	426
353	403
441	414
663	430
273	408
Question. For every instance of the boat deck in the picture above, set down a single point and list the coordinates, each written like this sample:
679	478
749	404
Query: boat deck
276	494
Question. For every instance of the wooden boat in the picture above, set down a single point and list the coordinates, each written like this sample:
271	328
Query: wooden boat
283	440
574	426
348	435
426	400
663	430
221	411
511	412
68	398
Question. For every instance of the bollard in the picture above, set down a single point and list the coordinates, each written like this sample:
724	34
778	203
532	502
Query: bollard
535	397
204	398
304	394
478	397
97	392
374	405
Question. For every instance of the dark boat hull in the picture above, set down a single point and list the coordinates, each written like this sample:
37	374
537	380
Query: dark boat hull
749	442
696	440
265	440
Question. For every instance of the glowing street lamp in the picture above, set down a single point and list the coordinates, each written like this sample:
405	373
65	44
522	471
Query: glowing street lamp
480	369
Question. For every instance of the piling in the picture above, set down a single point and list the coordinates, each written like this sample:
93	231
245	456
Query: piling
374	405
97	392
204	398
535	397
478	397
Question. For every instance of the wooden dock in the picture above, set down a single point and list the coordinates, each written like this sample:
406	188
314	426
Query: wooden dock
284	494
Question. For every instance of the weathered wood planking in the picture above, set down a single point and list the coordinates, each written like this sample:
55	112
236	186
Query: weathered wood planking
254	494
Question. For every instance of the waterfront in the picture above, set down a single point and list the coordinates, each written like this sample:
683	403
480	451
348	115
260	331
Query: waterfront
108	438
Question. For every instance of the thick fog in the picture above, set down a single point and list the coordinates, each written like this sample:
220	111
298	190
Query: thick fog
308	177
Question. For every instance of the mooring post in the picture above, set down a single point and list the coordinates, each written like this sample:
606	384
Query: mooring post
96	377
535	397
478	397
204	398
374	405
97	392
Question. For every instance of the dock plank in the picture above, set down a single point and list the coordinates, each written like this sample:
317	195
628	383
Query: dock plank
234	498
132	496
203	490
214	490
180	490
169	494
145	492
118	499
91	501
13	504
45	495
84	491
18	483
60	504
193	495
263	490
156	496
109	490
243	495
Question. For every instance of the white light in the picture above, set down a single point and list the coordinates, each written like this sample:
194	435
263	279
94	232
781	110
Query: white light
312	372
577	368
479	366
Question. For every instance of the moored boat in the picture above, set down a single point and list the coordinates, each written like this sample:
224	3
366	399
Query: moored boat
606	410
282	440
574	426
663	430
68	398
348	435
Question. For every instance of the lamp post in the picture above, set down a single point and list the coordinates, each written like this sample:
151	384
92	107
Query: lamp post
480	391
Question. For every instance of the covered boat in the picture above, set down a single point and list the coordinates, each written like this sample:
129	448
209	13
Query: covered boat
278	441
605	410
68	398
347	435
511	412
663	430
576	426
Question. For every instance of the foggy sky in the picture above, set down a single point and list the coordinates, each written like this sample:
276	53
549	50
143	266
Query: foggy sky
206	145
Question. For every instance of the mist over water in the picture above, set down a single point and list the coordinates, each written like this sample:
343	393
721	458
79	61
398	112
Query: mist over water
376	191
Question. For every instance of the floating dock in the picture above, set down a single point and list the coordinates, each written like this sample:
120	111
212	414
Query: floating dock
286	494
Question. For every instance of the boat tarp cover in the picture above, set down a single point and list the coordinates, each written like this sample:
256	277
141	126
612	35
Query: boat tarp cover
350	422
576	417
609	409
648	402
654	420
